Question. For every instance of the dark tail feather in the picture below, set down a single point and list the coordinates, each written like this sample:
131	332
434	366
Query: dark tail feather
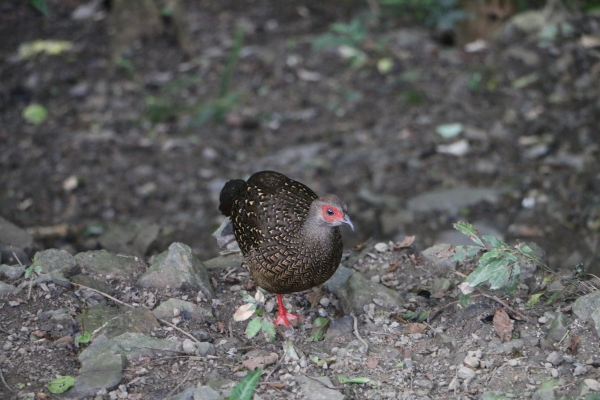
228	193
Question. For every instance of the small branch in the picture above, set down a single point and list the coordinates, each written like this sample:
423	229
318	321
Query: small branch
358	334
3	381
180	383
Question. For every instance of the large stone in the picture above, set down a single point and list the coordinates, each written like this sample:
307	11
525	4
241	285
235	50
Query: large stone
354	291
137	238
318	388
6	289
136	345
176	267
114	321
224	262
102	364
585	306
11	273
106	263
166	309
55	261
13	238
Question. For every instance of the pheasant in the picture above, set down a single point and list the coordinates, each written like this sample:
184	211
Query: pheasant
289	236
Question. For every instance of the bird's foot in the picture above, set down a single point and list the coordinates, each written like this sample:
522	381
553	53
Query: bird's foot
284	318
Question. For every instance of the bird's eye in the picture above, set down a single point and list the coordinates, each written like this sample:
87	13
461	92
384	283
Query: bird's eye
329	211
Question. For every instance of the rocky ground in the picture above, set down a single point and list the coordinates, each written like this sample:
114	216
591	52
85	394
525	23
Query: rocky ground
413	135
165	330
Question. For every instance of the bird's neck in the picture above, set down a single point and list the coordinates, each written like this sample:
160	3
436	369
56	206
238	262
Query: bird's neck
314	227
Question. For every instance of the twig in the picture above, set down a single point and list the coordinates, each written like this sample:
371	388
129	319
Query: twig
3	381
130	306
180	383
509	308
358	334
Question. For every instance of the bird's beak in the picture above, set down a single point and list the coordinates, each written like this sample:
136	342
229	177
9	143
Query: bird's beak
347	221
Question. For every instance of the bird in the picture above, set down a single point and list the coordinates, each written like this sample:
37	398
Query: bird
289	236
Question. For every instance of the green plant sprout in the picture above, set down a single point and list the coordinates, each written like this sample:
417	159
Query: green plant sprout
500	264
245	389
260	321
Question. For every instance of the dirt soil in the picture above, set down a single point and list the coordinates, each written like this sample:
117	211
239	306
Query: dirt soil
121	145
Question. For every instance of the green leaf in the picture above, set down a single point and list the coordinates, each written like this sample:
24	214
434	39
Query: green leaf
61	384
253	327
247	298
35	114
468	230
466	252
37	269
417	316
321	321
269	330
245	389
552	298
493	241
534	299
492	270
464	300
400	364
525	80
500	277
344	379
41	6
85	338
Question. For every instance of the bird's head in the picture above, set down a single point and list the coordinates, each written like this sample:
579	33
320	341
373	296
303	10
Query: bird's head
330	210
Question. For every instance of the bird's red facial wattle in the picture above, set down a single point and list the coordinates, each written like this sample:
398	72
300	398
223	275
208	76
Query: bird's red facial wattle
331	214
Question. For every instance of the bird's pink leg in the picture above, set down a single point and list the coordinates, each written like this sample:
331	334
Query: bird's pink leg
283	317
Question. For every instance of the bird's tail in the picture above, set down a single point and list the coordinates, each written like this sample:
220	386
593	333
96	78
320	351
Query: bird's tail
228	193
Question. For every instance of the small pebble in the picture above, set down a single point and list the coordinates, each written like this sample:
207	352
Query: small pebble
465	373
381	247
324	301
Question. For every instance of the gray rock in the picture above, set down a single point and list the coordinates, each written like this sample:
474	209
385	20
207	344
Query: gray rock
138	238
106	263
356	292
316	391
55	261
340	330
166	309
90	282
136	344
438	257
205	349
225	237
11	273
465	373
555	358
558	327
14	238
451	200
114	321
176	267
6	289
233	260
585	306
102	364
12	256
206	393
596	319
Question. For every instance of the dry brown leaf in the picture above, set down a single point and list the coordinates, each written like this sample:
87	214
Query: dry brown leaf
260	361
415	328
503	325
572	349
406	242
244	312
372	362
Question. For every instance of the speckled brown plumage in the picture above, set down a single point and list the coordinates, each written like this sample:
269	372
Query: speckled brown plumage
288	239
